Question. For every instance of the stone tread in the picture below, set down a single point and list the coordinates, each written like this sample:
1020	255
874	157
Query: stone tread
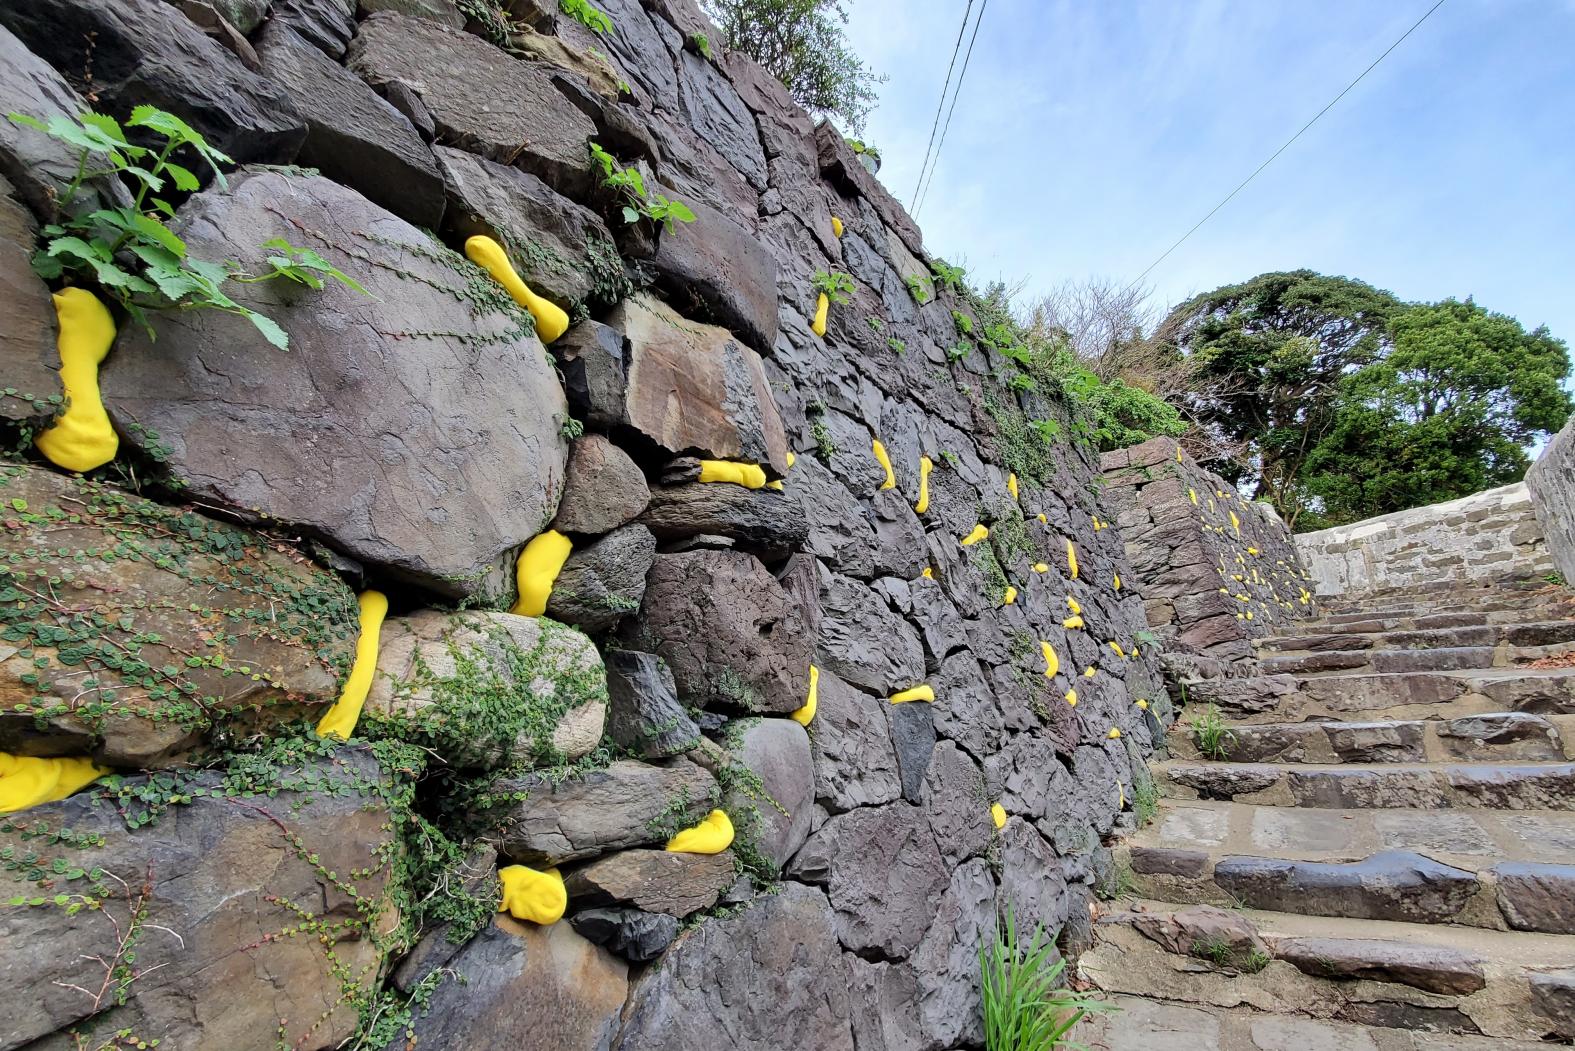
1468	785
1487	737
1334	637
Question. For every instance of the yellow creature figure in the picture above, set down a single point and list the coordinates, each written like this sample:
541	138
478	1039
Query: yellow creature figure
340	720
82	438
551	321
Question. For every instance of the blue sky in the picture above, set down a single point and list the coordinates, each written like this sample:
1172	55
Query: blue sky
1090	134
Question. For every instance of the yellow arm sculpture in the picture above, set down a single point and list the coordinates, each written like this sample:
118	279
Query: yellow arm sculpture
748	475
885	462
926	465
551	321
1052	662
82	438
1010	596
537	570
998	815
1071	559
978	533
711	836
818	326
26	781
340	720
917	693
537	897
836	227
1011	484
803	715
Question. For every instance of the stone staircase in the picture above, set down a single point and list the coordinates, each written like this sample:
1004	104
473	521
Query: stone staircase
1373	850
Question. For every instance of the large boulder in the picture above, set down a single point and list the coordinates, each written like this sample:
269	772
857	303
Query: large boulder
863	641
414	428
778	815
855	764
147	53
770	975
715	269
198	895
603	583
328	24
28	358
643	713
352	135
663	881
118	653
485	100
733	636
693	389
482	688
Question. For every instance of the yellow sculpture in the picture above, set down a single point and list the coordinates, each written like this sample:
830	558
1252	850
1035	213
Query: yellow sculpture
926	465
538	567
998	815
340	720
916	693
818	326
1142	704
1052	662
551	321
1011	484
711	836
804	714
1010	596
979	533
1192	495
929	573
1089	672
1235	523
1076	619
26	781
777	485
82	438
1041	567
1116	580
836	227
1071	698
1043	520
536	897
748	475
1114	734
1071	559
885	462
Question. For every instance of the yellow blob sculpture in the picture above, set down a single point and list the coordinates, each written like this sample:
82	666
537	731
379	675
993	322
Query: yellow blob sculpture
804	714
551	321
27	781
978	533
885	462
1041	567
998	815
1071	559
537	570
748	475
1192	494
1116	580
917	693
533	896
1010	596
711	836
1043	519
1052	662
340	720
836	227
82	438
926	465
1089	672
1142	704
818	326
1114	734
1011	484
1071	698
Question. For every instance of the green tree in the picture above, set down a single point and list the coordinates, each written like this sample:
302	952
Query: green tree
802	44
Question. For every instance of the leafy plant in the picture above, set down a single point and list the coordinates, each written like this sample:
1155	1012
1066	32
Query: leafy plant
963	322
1145	801
860	147
590	17
958	351
571	428
875	323
919	288
836	286
663	211
896	345
1213	737
948	276
1025	1007
702	44
129	251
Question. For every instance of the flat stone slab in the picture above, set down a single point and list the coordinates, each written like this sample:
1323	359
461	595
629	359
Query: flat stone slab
1537	897
1428	967
1392	885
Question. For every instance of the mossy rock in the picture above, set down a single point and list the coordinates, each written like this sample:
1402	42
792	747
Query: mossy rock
130	630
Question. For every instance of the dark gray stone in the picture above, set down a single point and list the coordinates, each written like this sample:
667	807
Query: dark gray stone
592	360
674	884
1228	938
1392	885
1536	897
643	712
863	641
1226	780
1033	878
636	936
1168	861
957	804
442	11
765	522
855	764
1387	742
327	24
352	135
603	488
422	457
1553	996
1530	787
28	358
716	270
1504	735
1429	967
604	582
913	736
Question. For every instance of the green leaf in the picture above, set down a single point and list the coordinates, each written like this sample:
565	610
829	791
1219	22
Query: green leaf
154	230
630	215
680	211
105	125
182	177
37	125
269	328
74	247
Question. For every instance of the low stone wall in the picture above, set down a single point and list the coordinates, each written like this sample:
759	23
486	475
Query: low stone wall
1551	483
1491	535
1215	570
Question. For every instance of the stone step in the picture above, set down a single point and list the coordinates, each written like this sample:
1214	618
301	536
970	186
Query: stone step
1371	975
1442	658
1493	786
1421	619
1501	871
1383	696
1495	737
1515	633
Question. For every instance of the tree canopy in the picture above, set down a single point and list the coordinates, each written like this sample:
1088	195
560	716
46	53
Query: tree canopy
1338	401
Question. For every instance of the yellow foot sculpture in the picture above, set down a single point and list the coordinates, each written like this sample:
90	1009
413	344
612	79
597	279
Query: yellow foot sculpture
82	438
340	720
537	897
537	570
551	321
711	836
26	781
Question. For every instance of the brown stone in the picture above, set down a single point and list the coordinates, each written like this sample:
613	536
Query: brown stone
654	880
603	488
1429	967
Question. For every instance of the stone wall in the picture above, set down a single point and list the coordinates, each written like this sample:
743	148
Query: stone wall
1491	535
187	613
1551	483
1215	570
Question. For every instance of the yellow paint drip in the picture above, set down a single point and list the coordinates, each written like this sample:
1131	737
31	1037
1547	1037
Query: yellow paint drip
1071	559
916	693
979	533
27	781
537	570
551	321
711	836
998	815
1011	484
341	719
926	465
1071	698
748	475
1052	662
885	462
82	438
1178	452
803	715
818	326
1010	596
836	227
533	896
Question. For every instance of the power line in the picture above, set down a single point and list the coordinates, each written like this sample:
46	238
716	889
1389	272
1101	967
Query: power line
1282	149
941	104
955	92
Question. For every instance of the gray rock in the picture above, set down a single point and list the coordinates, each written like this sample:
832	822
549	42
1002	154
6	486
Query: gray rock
1505	735
946	963
1392	885
593	363
517	977
629	804
1536	897
1386	742
352	135
863	641
603	583
855	764
900	547
1225	938
781	948
718	271
776	751
957	804
1033	878
764	522
244	15
423	457
146	53
711	106
562	250
603	488
28	358
1429	967
883	872
643	713
654	880
1225	781
1529	787
837	532
217	874
207	17
327	24
478	687
486	101
966	709
636	936
1168	861
1553	996
440	11
732	635
913	736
